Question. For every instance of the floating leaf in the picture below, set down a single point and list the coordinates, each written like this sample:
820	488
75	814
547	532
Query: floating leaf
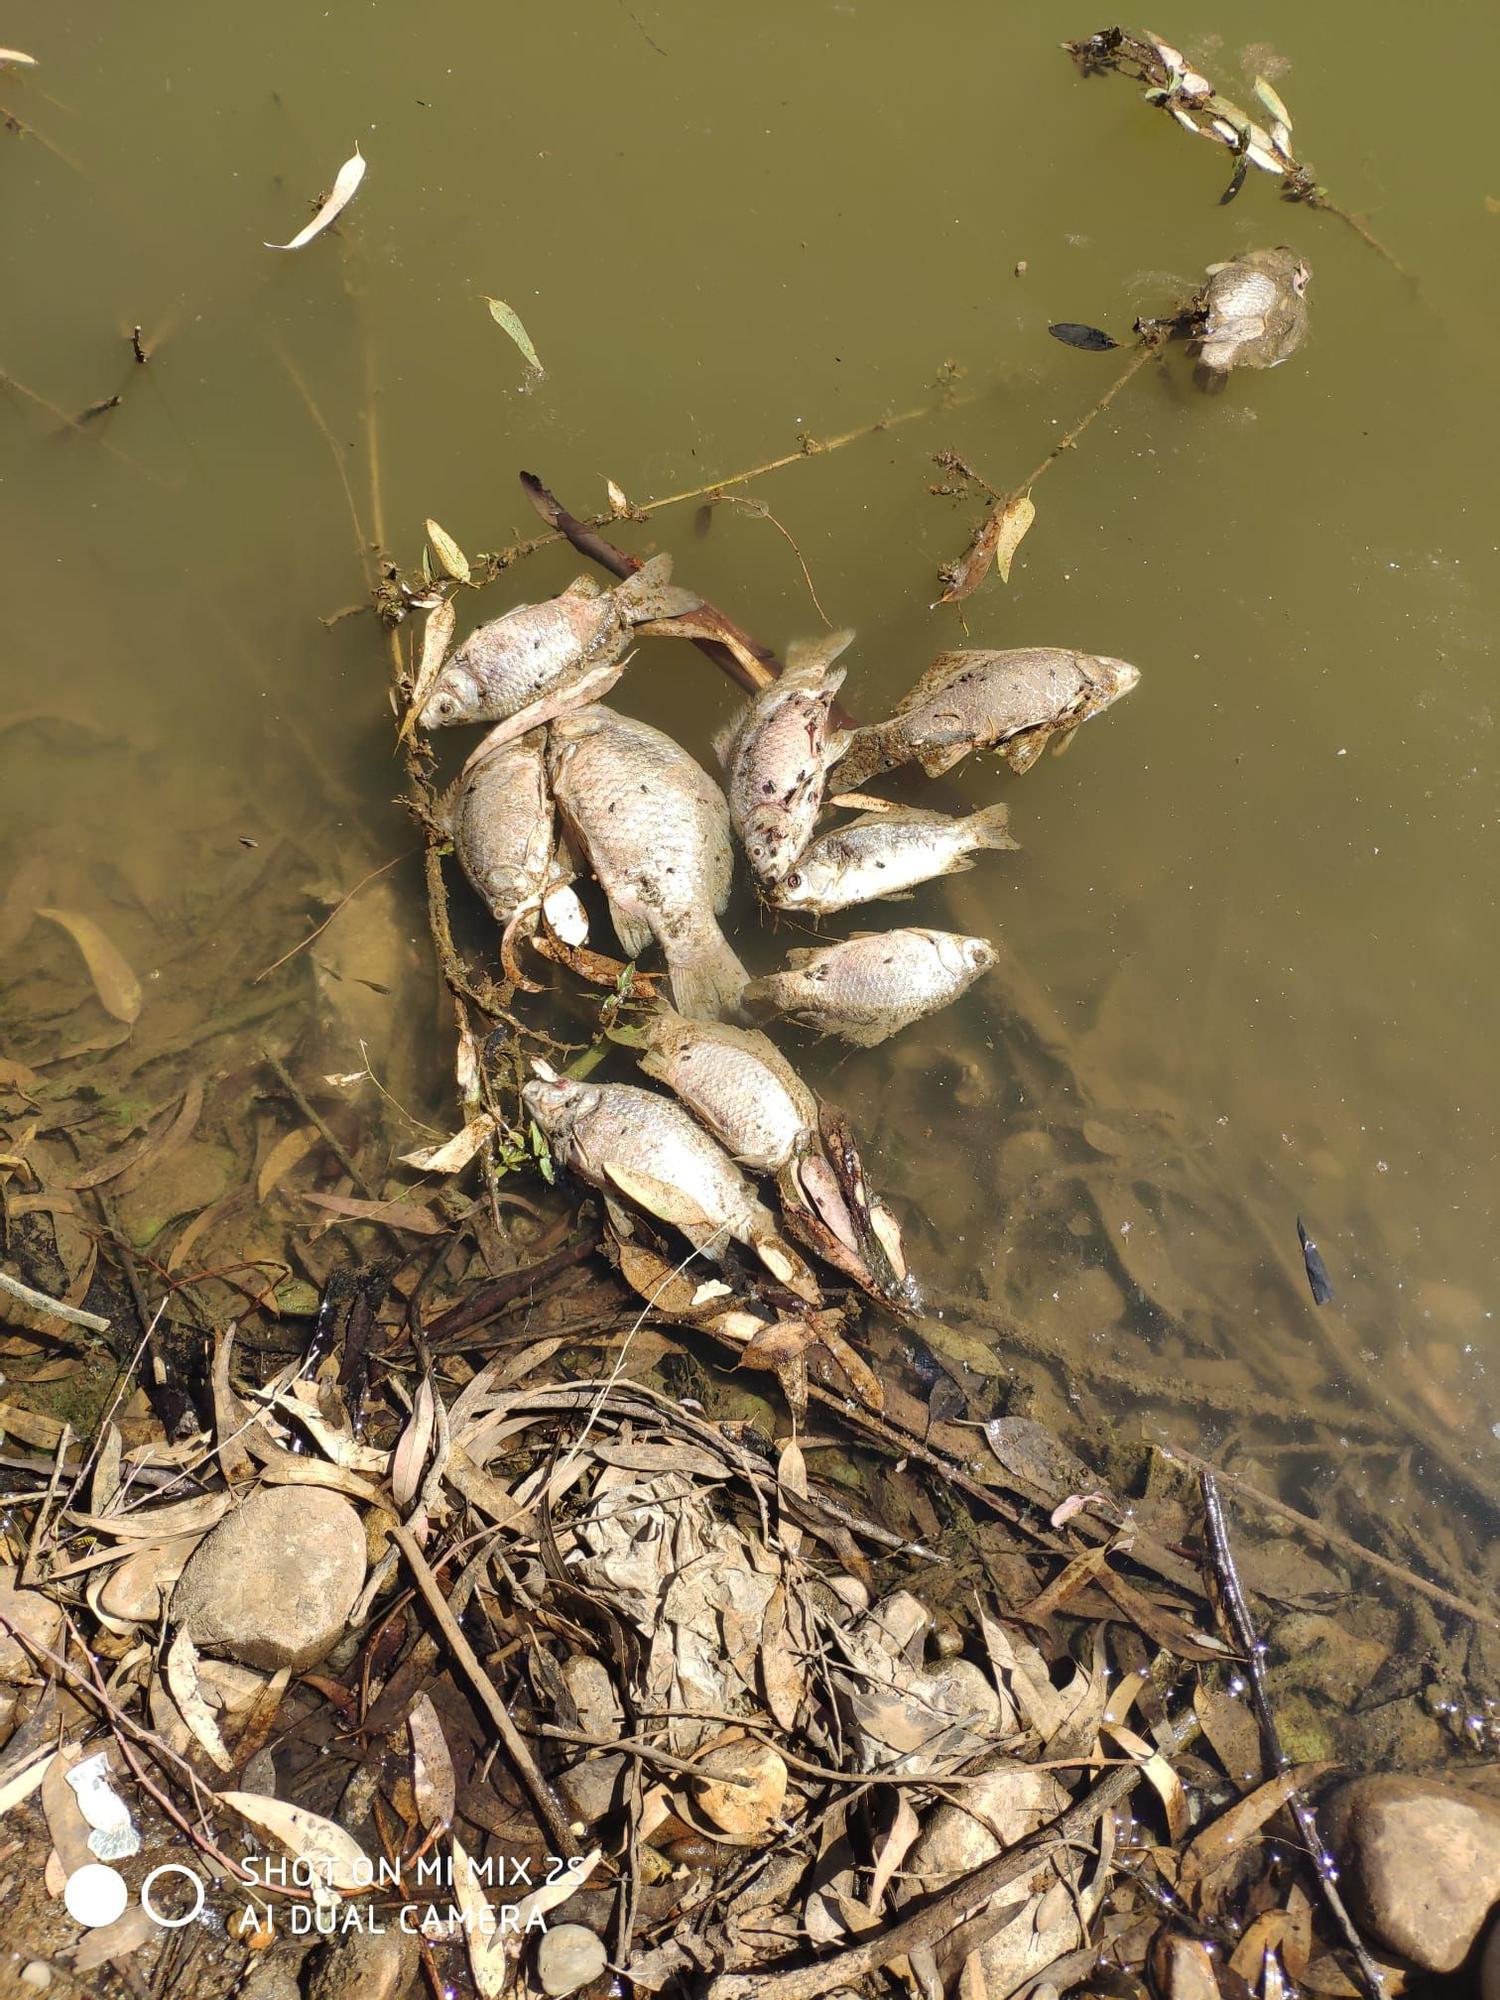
332	1855
502	315
449	554
455	1153
1072	333
15	56
350	174
1015	518
618	504
117	986
437	637
1272	102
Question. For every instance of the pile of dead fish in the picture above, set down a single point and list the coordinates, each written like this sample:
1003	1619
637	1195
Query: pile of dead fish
563	785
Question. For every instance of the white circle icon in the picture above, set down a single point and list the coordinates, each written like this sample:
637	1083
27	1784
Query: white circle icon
95	1895
166	1920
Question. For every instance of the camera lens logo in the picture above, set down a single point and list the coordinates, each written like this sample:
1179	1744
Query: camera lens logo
97	1894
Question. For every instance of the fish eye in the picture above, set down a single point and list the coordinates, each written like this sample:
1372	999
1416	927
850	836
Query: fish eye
794	880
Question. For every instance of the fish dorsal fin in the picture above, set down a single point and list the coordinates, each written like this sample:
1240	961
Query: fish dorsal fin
658	1196
583	586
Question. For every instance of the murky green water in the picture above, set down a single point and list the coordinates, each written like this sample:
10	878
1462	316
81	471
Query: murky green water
1258	897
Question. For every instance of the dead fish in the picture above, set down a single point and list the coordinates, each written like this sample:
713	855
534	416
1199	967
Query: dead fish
500	818
536	651
884	854
1317	1270
633	1143
655	830
1010	702
738	1083
872	985
777	753
1254	312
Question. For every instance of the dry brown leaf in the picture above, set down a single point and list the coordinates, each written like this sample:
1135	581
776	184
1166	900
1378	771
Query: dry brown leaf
433	1782
334	1856
118	988
182	1679
1164	1780
1222	1842
454	1154
778	1343
791	1478
288	1152
350	174
1016	516
894	1850
412	1447
406	1215
161	1144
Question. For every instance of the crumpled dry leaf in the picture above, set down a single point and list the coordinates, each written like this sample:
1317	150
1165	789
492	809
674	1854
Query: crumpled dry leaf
118	988
350	174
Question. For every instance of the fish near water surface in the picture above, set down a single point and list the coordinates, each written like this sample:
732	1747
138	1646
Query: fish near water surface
655	829
499	815
1011	702
883	854
1254	311
777	753
739	1083
867	988
535	653
632	1143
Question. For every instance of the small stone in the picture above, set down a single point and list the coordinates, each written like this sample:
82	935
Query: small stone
568	1957
274	1583
591	1789
36	1975
37	1616
366	1965
1419	1864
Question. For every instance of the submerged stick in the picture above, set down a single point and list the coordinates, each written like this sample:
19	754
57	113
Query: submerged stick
40	1302
1242	1625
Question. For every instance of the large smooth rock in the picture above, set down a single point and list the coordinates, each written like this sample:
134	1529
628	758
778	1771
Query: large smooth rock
567	1957
274	1583
1419	1864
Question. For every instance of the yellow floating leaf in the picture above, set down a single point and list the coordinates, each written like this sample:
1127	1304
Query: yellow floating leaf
15	56
449	554
350	174
117	986
1015	518
503	316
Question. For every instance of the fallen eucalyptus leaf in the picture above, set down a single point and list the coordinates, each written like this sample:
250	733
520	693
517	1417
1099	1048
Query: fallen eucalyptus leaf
350	174
182	1679
449	554
15	56
503	316
455	1153
118	988
1092	339
1272	102
290	1149
334	1856
1015	518
433	1784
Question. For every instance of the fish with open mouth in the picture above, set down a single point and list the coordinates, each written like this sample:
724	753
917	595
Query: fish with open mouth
1254	311
869	987
537	656
885	854
1011	702
655	830
777	753
633	1144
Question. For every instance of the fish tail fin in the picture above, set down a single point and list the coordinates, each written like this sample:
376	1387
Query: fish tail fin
651	594
814	658
991	828
707	978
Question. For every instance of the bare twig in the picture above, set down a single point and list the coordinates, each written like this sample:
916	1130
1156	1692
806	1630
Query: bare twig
330	1139
1242	1625
341	905
40	1302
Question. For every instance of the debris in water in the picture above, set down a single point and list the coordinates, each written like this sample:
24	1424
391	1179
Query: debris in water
350	174
505	317
1317	1270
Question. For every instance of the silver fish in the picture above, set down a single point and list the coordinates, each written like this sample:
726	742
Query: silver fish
776	754
740	1085
870	986
634	1144
1254	312
503	828
883	854
535	652
1010	702
655	830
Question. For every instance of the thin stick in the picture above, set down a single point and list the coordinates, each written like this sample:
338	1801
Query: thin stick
549	1807
40	1302
338	908
329	1138
333	445
940	1914
1242	1625
1335	1538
